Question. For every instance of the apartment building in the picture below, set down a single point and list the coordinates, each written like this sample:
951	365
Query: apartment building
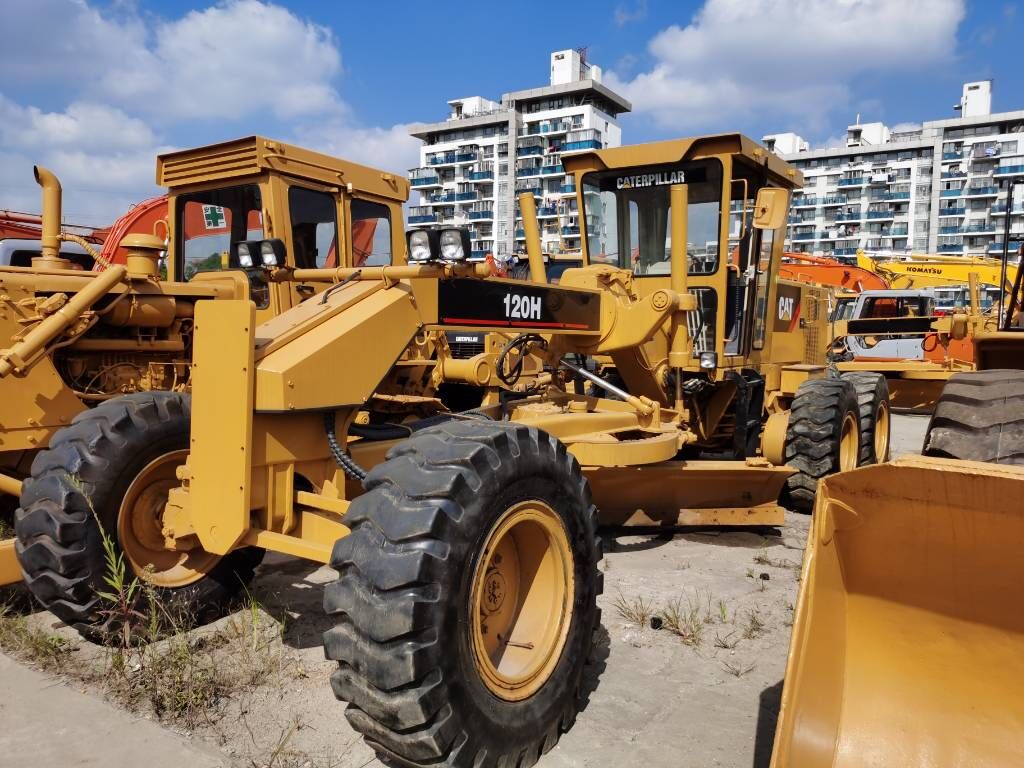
943	187
475	163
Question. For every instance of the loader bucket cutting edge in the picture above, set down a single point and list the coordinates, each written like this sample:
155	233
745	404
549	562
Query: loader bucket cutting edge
908	638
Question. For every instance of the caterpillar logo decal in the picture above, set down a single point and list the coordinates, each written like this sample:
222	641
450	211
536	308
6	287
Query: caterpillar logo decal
787	309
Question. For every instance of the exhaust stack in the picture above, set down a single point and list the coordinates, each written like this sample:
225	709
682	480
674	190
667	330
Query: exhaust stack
51	216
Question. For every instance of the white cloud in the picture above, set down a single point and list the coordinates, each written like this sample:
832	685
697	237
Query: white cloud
783	60
390	149
133	83
625	14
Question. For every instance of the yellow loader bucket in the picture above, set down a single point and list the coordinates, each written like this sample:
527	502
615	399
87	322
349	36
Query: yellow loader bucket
908	638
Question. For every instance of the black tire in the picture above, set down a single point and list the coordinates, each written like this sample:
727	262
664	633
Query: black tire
402	597
872	395
979	417
813	437
88	466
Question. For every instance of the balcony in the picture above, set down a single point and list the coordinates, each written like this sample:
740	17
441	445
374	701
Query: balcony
551	169
999	209
570	231
953	175
467	157
880	214
949	230
951	193
520	234
547	211
894	196
527	151
808	236
979	228
574	146
858	181
981	192
429	218
895	232
478	254
446	159
463	196
952	211
997	246
1008	170
950	156
567	189
447	197
844	251
425	181
855	216
951	248
481	175
478	215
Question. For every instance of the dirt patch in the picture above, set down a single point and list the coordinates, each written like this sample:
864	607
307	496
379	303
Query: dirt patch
702	689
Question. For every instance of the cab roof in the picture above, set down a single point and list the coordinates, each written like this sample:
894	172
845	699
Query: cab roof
679	150
255	154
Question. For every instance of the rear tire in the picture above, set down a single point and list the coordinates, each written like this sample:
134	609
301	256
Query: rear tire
405	601
822	437
979	417
80	482
875	422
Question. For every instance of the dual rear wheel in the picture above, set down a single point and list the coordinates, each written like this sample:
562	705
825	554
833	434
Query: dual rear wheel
835	425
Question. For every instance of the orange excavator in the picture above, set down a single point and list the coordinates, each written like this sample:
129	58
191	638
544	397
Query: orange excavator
825	271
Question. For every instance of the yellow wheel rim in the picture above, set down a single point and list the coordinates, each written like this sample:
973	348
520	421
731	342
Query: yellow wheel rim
849	443
522	600
140	528
882	432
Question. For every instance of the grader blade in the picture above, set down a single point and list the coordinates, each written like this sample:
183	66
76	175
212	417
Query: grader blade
690	493
908	638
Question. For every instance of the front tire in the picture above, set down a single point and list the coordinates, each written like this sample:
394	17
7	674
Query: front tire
112	467
447	654
822	437
874	413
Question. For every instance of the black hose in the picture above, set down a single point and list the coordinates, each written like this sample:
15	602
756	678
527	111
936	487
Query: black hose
344	461
520	343
380	431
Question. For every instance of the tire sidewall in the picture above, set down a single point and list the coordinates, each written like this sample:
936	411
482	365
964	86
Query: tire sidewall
514	722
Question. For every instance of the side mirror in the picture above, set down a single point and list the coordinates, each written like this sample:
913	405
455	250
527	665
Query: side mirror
770	208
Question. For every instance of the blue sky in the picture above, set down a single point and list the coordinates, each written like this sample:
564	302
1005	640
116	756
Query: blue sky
94	88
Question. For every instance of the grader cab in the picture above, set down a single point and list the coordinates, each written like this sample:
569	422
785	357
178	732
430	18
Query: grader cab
465	543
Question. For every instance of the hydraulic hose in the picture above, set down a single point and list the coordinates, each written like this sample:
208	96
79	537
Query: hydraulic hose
344	461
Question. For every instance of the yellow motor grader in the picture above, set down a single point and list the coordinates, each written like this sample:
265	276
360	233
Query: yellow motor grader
465	543
908	638
72	340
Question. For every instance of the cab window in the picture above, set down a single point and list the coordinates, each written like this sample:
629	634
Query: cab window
210	223
371	234
628	217
314	217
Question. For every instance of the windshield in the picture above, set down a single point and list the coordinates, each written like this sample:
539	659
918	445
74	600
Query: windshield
628	216
844	308
211	223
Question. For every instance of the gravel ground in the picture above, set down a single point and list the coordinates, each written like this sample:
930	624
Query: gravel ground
659	699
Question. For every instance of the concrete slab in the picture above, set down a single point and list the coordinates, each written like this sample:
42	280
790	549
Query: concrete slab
48	724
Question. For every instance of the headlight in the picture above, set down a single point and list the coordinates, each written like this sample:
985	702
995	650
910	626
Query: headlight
267	254
454	244
419	245
244	255
451	245
708	360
